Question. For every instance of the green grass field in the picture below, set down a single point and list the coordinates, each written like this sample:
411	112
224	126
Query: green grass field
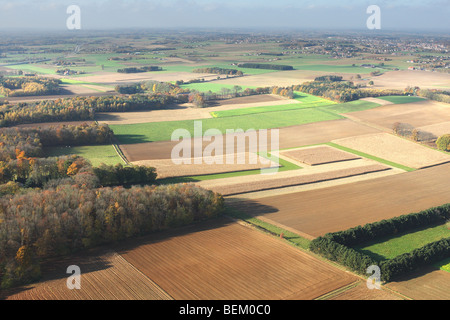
358	105
404	243
95	154
34	68
401	99
162	131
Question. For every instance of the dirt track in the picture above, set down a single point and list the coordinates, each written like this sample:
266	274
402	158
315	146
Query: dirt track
332	209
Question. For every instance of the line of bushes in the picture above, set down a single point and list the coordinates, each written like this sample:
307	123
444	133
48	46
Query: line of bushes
265	66
337	246
139	70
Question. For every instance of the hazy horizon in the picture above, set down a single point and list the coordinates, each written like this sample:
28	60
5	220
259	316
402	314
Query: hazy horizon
400	15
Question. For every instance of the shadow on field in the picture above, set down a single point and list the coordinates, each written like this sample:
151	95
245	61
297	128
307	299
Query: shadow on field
198	227
131	138
56	268
416	274
249	207
159	236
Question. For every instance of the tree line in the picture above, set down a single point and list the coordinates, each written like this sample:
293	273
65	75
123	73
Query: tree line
436	95
252	65
139	69
58	221
80	108
217	70
343	91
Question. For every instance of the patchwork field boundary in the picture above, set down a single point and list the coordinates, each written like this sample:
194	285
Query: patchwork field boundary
285	165
293	184
340	246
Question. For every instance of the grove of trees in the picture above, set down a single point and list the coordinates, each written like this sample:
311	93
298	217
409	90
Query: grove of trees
57	221
28	86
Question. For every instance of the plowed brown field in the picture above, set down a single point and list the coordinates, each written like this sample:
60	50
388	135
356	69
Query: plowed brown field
294	180
431	284
317	212
224	260
361	292
103	277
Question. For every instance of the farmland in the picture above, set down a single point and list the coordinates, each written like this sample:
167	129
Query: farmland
161	131
356	203
337	166
212	246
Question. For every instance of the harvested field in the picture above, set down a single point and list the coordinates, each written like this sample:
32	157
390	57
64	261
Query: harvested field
404	78
418	114
290	137
341	207
361	292
438	129
260	98
221	259
319	155
293	180
104	277
167	169
172	114
392	148
378	101
430	284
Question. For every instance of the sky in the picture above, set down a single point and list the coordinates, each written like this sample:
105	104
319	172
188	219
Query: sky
404	15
